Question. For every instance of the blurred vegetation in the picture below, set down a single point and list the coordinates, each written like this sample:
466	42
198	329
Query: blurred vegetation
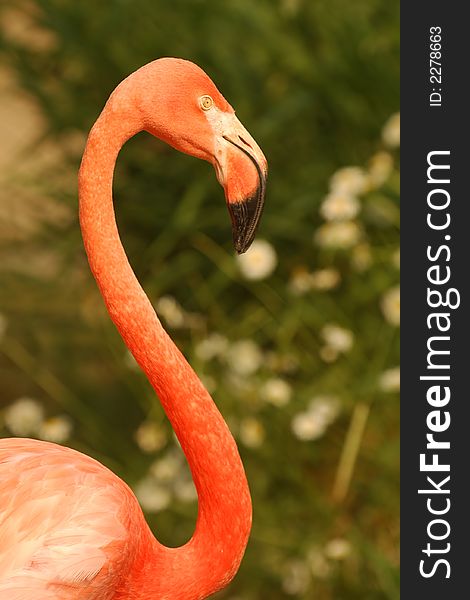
301	358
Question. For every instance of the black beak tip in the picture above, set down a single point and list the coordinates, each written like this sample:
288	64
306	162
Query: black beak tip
245	216
241	246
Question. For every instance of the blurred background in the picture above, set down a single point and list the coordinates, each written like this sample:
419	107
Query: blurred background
297	340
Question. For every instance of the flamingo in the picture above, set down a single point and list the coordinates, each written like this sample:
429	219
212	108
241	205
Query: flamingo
69	528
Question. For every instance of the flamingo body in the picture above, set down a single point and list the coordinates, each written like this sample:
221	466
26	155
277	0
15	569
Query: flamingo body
75	527
69	528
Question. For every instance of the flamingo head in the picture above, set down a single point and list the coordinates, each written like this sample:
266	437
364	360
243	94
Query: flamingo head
182	106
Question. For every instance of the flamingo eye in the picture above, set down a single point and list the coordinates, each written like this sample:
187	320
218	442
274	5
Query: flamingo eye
206	102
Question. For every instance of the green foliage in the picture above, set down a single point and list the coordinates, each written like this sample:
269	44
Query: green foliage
314	83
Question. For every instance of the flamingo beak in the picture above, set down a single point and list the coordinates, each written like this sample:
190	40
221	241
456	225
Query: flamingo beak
242	170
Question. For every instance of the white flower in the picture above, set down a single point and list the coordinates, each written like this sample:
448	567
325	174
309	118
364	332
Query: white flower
244	357
167	468
337	337
349	180
151	495
259	261
3	326
389	380
308	426
171	311
303	281
390	305
212	346
251	432
276	391
325	407
337	549
56	429
380	168
296	578
391	131
339	206
24	417
312	423
150	437
325	279
343	234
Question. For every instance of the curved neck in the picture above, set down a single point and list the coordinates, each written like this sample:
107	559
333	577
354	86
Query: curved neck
212	556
